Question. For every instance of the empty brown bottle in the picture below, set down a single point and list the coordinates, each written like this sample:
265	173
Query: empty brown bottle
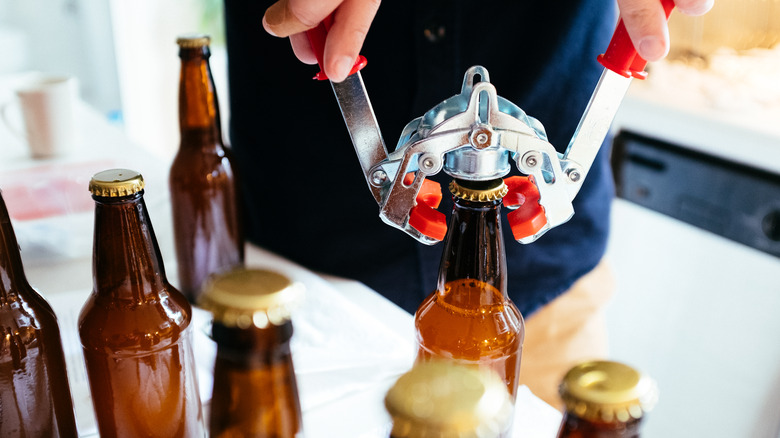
255	392
469	318
206	222
445	399
135	327
605	399
35	396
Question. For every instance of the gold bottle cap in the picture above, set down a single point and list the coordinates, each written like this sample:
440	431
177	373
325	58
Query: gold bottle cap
114	183
246	297
193	41
488	194
443	399
607	391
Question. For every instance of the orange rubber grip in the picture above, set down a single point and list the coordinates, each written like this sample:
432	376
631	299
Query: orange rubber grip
424	217
529	217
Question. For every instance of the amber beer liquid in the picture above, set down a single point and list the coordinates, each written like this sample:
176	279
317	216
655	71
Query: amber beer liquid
255	392
135	327
470	318
206	223
35	399
605	399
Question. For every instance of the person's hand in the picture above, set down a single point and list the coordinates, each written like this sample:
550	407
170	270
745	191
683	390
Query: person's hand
646	23
644	20
351	20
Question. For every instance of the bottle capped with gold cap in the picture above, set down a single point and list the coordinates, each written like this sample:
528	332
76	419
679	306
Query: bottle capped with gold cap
605	399
470	317
252	329
115	183
244	297
134	317
193	40
479	191
203	177
440	398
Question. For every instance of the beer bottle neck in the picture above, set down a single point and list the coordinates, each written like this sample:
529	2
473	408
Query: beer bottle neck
473	246
126	263
573	426
12	278
198	108
253	347
254	382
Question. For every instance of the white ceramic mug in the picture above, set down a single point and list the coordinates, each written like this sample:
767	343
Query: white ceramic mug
47	105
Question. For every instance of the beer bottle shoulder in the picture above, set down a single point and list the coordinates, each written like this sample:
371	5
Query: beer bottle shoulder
125	327
201	165
29	322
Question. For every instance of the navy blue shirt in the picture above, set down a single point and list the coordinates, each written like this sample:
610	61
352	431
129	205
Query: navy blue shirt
305	194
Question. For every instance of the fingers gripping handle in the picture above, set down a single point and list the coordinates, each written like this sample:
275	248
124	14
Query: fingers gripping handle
317	38
621	56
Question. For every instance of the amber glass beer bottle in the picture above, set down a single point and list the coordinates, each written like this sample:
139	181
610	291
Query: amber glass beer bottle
135	327
445	399
469	318
35	396
255	393
605	399
206	222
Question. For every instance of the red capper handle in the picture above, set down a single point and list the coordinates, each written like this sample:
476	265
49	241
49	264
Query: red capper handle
621	56
529	218
424	217
317	38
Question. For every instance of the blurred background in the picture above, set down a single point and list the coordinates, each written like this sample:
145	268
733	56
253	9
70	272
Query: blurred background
696	225
124	54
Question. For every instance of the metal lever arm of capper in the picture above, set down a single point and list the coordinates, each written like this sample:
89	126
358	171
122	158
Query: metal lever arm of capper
622	63
355	108
395	207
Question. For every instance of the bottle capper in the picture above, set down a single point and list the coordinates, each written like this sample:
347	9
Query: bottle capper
474	136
